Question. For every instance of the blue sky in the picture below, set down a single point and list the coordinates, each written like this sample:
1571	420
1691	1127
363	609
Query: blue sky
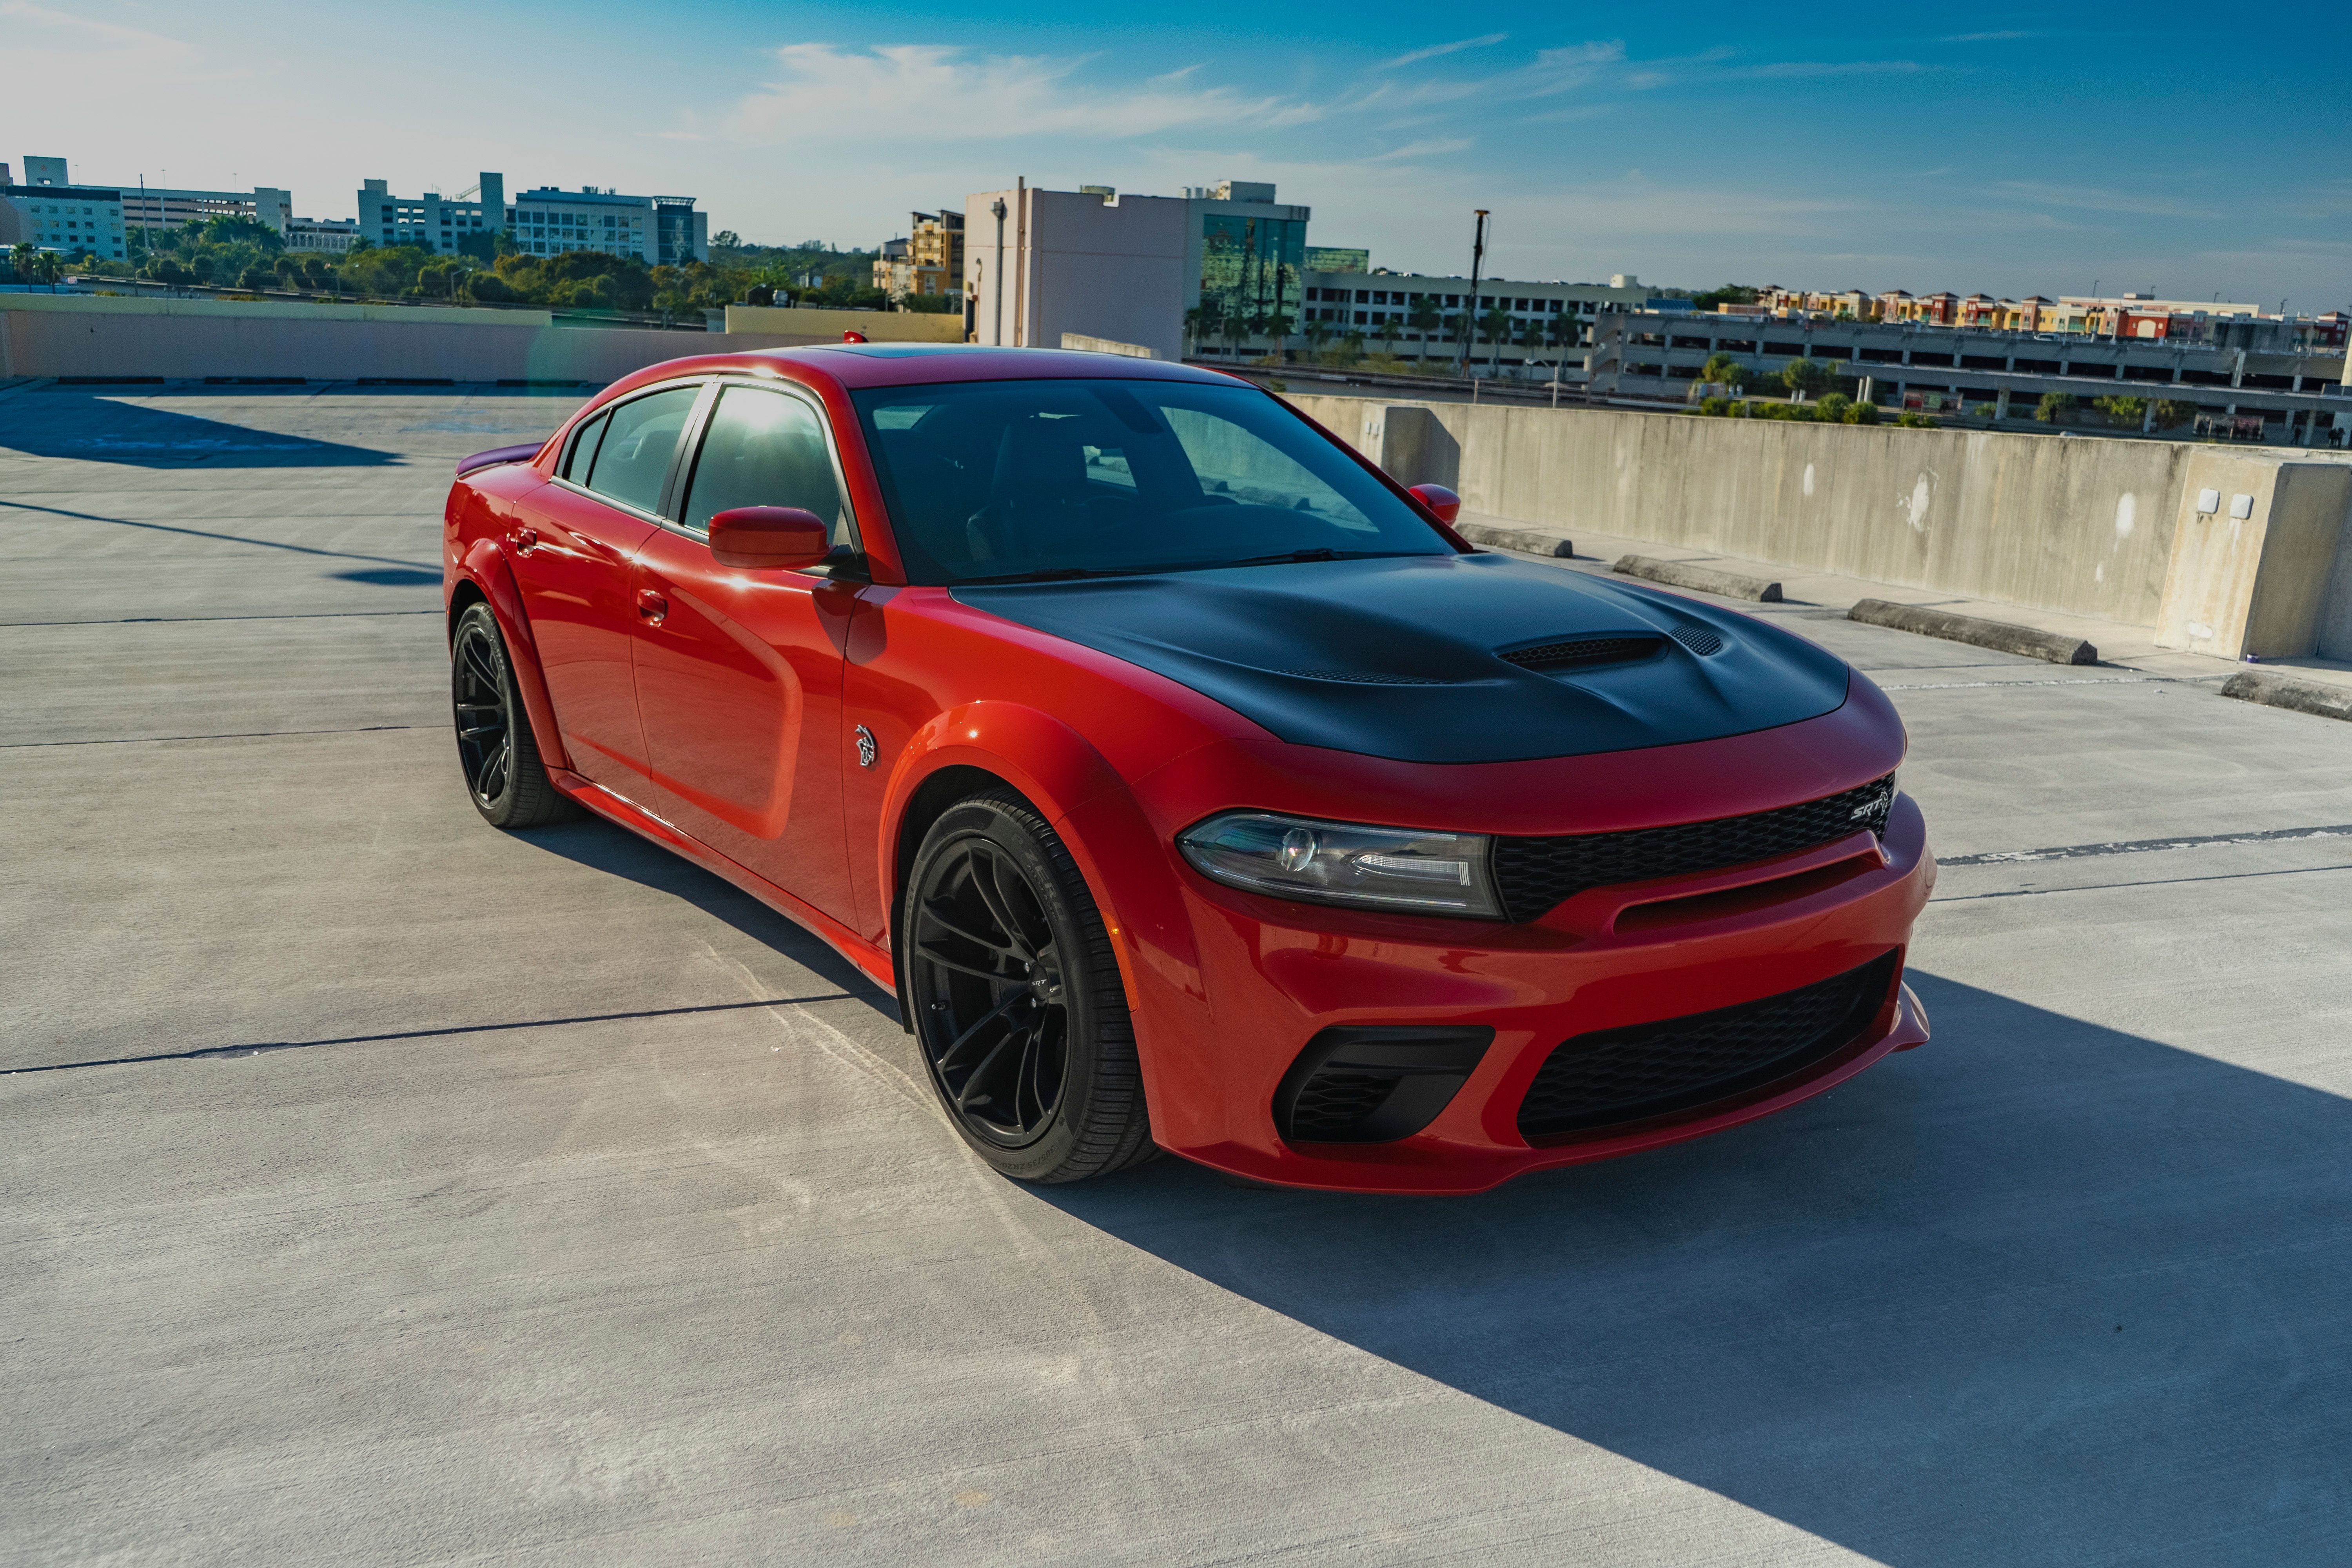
2187	152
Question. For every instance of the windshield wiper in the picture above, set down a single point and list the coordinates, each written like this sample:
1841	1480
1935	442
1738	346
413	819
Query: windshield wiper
1313	552
1059	574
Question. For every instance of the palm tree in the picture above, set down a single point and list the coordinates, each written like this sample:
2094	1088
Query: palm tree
49	268
1388	334
1318	335
1280	326
23	256
1497	323
1424	320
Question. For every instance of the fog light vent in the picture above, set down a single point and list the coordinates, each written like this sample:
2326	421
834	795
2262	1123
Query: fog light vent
1375	1084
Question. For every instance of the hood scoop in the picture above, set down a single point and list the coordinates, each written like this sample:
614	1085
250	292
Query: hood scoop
1581	653
1442	658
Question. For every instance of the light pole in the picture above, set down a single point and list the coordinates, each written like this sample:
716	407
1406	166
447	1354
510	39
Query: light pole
1470	317
997	211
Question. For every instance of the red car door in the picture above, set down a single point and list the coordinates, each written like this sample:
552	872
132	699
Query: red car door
739	672
573	544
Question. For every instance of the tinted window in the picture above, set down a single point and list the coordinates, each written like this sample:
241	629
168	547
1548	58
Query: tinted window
583	449
764	448
633	457
1001	478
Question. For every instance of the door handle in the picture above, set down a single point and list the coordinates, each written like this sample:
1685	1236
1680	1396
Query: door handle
525	539
651	605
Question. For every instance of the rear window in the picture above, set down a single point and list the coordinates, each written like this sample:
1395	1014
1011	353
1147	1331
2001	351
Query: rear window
1005	479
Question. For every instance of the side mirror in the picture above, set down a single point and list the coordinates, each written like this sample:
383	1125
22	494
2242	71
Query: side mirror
1444	503
760	537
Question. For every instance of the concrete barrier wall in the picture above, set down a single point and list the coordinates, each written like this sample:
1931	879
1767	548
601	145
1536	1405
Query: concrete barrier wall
287	342
2082	526
815	325
273	309
2093	527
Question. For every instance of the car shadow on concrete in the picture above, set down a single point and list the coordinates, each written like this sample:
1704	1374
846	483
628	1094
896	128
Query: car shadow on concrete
67	422
614	849
2041	1292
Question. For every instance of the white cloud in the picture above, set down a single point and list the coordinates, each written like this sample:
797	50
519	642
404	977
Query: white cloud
828	94
1434	51
1435	148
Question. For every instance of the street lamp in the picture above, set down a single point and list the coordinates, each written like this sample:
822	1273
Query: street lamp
1470	317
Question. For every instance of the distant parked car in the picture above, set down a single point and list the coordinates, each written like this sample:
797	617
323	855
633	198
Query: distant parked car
1194	785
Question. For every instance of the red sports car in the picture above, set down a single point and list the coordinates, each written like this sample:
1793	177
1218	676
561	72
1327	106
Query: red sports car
1194	784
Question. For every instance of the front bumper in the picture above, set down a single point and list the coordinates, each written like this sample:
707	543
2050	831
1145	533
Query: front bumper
1271	974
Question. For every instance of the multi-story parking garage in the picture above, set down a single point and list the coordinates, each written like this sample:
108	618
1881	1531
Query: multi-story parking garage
2300	398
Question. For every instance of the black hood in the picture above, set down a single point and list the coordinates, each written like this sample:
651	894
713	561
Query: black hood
1443	658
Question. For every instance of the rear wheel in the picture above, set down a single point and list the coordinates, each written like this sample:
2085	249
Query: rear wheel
495	746
1018	1006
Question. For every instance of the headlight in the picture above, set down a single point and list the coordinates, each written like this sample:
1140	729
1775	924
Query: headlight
1340	863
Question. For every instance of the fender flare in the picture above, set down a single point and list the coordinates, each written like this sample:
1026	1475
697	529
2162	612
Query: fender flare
1076	790
487	568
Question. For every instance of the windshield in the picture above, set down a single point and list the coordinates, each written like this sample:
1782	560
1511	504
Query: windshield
993	480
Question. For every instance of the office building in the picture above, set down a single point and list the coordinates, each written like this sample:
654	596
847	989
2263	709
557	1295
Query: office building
1418	317
49	210
542	221
429	222
1091	263
1244	253
320	236
929	261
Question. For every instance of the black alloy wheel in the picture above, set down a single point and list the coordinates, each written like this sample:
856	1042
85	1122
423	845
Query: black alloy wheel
495	745
1017	1000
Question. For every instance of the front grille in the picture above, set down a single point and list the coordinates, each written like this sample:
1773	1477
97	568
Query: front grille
1553	656
1616	1076
1536	874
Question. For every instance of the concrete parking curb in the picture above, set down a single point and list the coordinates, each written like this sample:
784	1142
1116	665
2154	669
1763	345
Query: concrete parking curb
1999	636
1704	579
1533	542
2274	689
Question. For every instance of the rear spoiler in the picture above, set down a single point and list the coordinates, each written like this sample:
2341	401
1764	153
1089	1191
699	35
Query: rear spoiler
496	455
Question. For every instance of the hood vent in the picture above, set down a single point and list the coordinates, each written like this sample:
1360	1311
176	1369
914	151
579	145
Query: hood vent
1698	640
1548	657
1361	678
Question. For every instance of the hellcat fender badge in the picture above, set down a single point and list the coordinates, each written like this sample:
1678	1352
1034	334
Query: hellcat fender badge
867	751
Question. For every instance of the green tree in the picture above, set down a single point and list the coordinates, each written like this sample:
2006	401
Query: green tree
1832	408
1723	368
1913	421
2122	411
1805	377
1497	324
1206	321
2054	406
23	257
2170	414
1730	294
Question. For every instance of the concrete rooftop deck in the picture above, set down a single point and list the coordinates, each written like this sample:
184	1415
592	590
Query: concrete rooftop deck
546	1200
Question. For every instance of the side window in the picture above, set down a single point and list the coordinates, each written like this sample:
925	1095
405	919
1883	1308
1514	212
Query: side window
764	448
639	440
583	449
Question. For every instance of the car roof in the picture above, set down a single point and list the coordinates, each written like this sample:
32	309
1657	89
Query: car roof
911	365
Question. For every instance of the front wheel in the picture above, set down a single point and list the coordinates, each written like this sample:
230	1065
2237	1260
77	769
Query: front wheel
1018	1006
508	784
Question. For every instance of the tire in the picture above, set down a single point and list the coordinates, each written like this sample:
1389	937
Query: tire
1016	999
496	749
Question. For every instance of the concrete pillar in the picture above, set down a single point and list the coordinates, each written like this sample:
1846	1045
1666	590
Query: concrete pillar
2147	417
2000	405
